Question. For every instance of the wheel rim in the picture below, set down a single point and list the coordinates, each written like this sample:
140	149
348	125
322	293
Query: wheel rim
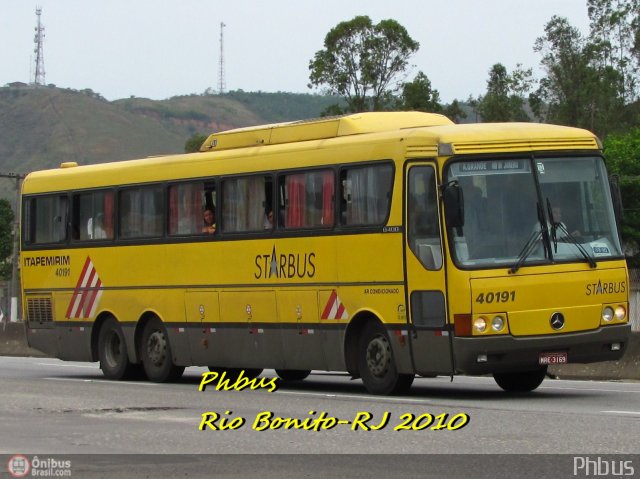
157	348
113	350
379	356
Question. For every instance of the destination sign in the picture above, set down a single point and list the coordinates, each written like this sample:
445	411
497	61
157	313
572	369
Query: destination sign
493	167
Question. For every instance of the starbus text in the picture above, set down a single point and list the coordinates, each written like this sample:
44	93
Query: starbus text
287	266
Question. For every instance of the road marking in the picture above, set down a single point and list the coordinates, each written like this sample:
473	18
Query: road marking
562	388
632	413
399	400
68	365
106	381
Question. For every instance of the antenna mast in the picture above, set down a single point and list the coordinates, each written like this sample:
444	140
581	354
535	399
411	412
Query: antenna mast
221	81
39	50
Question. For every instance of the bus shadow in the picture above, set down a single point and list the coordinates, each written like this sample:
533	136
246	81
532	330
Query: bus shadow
432	388
424	388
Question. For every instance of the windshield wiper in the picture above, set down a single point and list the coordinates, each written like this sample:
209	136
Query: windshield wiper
531	243
526	250
554	226
571	239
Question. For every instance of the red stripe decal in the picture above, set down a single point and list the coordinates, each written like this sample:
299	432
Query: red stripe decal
93	293
327	308
88	293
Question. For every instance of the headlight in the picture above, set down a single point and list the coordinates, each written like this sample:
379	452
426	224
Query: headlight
497	323
620	313
607	314
480	324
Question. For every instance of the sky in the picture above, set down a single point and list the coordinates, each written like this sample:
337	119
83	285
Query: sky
159	49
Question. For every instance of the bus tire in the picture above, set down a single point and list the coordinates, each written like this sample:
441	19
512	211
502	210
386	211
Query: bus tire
521	381
112	352
155	352
376	363
293	374
234	373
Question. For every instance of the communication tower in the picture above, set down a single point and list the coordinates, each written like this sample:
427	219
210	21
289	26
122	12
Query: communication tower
39	50
221	81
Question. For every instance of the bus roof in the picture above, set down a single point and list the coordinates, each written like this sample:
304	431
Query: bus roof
420	134
320	129
477	138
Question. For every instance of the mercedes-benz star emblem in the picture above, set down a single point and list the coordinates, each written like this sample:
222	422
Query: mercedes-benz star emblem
557	321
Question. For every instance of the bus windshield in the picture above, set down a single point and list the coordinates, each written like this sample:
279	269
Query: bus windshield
527	211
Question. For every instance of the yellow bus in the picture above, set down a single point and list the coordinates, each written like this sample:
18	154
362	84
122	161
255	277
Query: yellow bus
387	245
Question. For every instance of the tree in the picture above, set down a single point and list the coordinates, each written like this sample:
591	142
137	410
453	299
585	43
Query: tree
6	238
614	26
623	153
192	145
362	62
635	50
419	95
576	91
455	112
505	96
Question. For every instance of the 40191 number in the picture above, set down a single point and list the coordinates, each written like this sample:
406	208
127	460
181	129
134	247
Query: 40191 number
496	297
63	272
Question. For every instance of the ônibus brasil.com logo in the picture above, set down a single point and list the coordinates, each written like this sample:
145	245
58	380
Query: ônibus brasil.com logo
21	466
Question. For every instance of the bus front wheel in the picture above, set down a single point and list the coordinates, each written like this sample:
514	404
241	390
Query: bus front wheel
376	363
155	352
521	381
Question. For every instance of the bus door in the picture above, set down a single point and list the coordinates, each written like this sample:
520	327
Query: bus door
425	273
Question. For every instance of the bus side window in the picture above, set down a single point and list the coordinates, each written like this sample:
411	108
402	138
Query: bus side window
46	219
141	212
307	199
366	194
187	202
244	203
92	215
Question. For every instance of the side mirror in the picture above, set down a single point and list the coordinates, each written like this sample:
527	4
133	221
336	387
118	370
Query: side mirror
453	205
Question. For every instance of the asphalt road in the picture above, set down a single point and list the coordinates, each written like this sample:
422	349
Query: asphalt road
50	407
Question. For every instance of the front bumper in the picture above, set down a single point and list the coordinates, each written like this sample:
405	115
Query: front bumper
509	353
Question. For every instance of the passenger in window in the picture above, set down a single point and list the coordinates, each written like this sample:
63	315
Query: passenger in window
95	227
98	227
268	219
209	218
562	227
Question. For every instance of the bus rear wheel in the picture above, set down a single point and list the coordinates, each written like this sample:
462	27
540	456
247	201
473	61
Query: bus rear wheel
376	363
155	352
112	352
521	381
293	374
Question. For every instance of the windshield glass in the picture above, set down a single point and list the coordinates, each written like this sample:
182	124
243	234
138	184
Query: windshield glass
505	217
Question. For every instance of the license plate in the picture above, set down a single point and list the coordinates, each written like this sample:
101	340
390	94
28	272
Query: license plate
552	358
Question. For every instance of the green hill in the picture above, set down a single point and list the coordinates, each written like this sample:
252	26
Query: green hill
42	127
